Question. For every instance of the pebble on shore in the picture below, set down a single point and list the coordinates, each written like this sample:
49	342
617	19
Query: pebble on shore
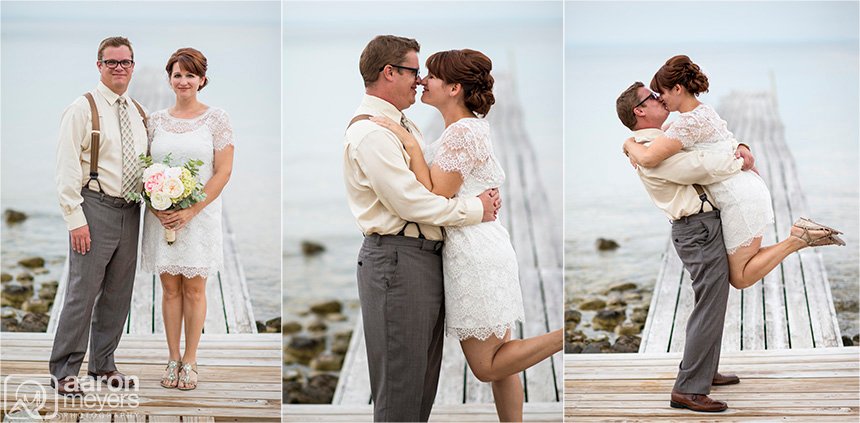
610	322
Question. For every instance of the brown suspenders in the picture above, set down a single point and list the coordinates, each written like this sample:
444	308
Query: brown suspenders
96	133
358	118
704	197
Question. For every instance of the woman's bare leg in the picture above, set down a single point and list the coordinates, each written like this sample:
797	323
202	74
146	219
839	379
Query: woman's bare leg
194	306
748	265
171	313
508	395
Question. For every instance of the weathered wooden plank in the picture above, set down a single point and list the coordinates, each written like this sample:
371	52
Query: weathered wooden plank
532	412
353	386
236	299
657	333
452	388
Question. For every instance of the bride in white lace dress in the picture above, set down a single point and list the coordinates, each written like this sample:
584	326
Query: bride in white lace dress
743	200
483	299
187	131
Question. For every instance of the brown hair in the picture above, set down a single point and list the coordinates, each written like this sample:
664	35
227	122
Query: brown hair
626	102
114	42
192	60
469	68
680	70
384	50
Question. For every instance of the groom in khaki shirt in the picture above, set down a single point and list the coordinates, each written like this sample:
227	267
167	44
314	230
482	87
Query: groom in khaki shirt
697	237
400	263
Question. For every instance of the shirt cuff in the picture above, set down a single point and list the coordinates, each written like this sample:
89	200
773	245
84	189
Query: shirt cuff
474	211
75	219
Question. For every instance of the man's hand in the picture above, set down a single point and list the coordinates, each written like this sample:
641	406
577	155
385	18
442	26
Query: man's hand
745	153
80	239
491	201
624	149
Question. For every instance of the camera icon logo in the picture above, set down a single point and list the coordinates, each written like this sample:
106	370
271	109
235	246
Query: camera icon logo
31	397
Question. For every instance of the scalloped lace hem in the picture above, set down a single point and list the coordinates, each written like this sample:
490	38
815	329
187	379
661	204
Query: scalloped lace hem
746	243
188	272
483	333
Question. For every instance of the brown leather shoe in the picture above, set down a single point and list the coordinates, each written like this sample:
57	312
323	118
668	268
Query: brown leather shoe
720	379
696	402
68	386
113	378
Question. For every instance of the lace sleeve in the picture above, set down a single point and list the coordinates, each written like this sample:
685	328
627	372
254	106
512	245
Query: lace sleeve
150	128
222	131
462	148
686	129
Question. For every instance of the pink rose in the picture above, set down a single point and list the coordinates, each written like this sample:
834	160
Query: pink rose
154	182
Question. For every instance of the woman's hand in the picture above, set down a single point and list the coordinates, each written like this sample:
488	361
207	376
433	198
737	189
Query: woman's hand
177	219
624	148
402	134
161	215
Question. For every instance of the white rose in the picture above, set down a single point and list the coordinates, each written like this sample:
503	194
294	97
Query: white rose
152	170
173	187
160	201
173	172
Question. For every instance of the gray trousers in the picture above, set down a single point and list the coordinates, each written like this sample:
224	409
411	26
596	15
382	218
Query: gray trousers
403	308
698	240
99	288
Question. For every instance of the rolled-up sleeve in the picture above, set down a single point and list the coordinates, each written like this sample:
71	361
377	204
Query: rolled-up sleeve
73	130
380	158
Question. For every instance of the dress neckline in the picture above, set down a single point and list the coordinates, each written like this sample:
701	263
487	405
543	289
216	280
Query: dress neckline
204	113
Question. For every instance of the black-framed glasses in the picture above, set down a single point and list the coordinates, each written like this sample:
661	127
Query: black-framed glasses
127	63
653	95
413	70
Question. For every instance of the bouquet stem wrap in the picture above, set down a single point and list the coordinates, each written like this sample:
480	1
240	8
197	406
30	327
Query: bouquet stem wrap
169	236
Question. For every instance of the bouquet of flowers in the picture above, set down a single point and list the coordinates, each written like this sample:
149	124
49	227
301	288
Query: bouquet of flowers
169	187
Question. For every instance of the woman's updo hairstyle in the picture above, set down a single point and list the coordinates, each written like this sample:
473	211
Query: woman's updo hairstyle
680	70
469	68
191	60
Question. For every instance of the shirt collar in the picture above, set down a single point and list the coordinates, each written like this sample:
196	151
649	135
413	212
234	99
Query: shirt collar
647	134
385	108
110	96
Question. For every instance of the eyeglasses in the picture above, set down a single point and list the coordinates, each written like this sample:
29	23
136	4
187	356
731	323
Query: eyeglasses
413	70
113	63
653	95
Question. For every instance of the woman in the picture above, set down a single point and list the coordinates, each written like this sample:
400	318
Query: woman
744	200
483	301
189	130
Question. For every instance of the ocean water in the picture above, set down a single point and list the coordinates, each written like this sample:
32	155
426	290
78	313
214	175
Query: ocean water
817	89
48	59
523	40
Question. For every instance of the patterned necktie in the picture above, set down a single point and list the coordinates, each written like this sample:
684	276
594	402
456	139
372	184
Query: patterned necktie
403	123
130	165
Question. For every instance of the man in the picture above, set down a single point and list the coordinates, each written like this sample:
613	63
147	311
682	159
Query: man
400	264
103	226
697	237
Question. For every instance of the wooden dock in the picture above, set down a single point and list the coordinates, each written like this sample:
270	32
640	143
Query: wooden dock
803	385
536	239
532	412
791	307
240	380
228	301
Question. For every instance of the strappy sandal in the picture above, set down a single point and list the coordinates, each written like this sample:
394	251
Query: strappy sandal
185	377
172	375
829	238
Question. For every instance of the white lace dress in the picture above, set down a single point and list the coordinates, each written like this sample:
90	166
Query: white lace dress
743	199
482	288
197	250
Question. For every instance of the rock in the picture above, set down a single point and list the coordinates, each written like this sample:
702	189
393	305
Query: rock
344	335
616	302
52	284
290	375
575	336
35	305
335	317
628	328
32	262
327	307
847	342
597	347
621	287
34	322
16	293
304	348
327	362
604	244
5	277
48	293
273	325
573	347
340	345
9	324
856	339
24	277
607	319
316	325
570	326
291	327
310	248
627	344
8	312
261	327
639	315
14	216
632	296
319	390
289	359
290	390
592	304
571	315
846	304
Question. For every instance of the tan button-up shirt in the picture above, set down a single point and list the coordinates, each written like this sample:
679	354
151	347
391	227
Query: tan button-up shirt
670	184
383	193
73	150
